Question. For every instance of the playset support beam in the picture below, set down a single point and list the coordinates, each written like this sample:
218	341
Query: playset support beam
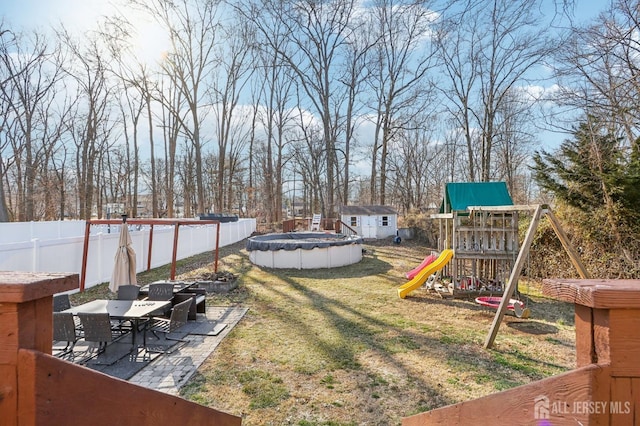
513	279
540	211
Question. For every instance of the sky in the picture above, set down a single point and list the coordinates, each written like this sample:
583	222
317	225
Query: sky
80	15
84	13
41	13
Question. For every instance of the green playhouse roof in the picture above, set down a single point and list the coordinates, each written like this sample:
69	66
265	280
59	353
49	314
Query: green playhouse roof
459	196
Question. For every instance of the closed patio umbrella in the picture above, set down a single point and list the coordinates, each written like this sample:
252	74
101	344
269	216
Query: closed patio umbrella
124	268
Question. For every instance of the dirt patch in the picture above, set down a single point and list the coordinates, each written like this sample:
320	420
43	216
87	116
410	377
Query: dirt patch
204	274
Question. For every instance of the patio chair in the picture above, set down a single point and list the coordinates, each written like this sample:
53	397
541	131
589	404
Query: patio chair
165	326
199	297
61	302
97	329
64	330
160	291
128	292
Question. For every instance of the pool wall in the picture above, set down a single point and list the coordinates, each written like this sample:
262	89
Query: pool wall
304	256
329	257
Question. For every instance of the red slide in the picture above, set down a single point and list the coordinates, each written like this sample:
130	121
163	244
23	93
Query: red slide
427	260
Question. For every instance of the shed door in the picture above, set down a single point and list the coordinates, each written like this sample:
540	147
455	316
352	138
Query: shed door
369	225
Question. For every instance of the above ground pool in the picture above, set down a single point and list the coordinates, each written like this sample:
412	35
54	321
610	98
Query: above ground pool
304	250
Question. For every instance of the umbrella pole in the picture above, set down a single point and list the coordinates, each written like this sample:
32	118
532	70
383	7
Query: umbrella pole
124	223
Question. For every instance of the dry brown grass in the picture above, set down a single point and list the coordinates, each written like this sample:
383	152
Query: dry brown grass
338	347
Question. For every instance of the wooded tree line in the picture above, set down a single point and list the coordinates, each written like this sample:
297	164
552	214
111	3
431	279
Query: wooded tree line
255	104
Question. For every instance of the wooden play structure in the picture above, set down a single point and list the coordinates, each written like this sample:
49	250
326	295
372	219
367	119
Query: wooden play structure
479	222
488	257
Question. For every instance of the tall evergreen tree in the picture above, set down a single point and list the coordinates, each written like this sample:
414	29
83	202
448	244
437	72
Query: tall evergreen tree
594	173
584	170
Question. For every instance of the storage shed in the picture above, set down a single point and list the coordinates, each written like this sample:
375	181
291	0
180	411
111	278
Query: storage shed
371	221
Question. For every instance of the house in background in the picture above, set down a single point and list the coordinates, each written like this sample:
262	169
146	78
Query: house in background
371	221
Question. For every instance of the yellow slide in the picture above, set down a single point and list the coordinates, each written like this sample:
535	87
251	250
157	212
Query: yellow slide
421	278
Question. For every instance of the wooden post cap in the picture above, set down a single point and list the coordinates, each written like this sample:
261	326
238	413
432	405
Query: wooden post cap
19	287
595	293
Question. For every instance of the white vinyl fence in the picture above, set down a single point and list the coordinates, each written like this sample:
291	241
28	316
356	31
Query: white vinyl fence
58	246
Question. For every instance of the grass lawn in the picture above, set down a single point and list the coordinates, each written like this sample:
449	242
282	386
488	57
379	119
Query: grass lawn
338	347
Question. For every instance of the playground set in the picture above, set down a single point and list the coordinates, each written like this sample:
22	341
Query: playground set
478	242
479	251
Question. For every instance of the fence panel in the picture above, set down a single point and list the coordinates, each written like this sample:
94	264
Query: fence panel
58	246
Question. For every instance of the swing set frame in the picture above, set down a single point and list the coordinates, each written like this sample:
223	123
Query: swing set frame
540	211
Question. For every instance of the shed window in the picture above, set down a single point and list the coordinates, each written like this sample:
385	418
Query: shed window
353	221
385	220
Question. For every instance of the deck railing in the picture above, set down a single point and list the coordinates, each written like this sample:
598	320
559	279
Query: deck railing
602	390
345	229
326	224
39	389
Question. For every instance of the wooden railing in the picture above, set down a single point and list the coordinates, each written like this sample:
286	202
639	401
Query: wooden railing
288	225
602	390
326	224
39	389
345	229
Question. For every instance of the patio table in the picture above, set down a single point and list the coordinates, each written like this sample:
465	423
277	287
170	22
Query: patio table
133	310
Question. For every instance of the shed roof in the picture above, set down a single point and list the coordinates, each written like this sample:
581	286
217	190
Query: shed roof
367	210
460	195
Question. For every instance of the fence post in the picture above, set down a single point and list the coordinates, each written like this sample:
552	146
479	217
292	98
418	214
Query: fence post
25	316
607	320
35	255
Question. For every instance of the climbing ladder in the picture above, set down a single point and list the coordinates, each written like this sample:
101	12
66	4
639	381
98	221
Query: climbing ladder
315	222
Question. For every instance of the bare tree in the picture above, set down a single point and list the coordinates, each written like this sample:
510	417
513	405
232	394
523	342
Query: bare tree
171	125
486	49
131	108
402	59
413	162
4	117
359	43
33	70
309	152
274	100
117	32
229	82
513	143
599	72
315	35
92	125
192	27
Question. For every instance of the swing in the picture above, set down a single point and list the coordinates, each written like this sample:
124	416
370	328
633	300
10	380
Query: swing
518	307
521	309
515	305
